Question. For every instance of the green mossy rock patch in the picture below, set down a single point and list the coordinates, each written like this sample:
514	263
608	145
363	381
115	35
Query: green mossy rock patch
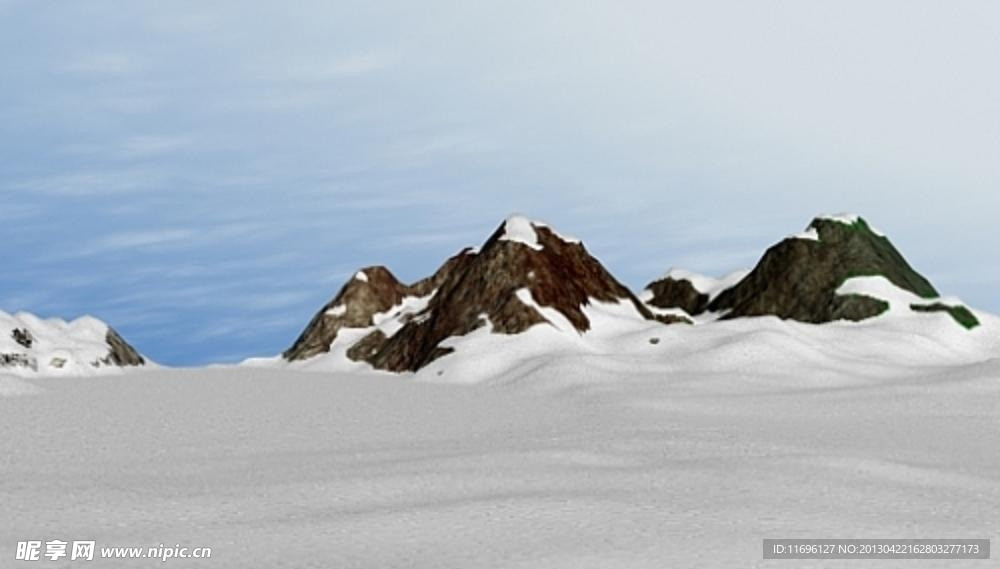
961	314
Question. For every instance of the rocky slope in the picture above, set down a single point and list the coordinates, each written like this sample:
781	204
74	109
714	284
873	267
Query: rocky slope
523	269
29	344
801	277
371	293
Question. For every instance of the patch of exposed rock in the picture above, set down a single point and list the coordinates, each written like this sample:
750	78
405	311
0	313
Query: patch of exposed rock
120	353
670	292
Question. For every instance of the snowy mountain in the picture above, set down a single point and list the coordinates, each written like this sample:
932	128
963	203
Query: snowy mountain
530	294
839	268
32	346
525	274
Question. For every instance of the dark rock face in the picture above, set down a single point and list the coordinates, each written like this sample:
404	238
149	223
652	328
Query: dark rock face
673	293
797	278
120	352
18	360
23	337
372	291
558	274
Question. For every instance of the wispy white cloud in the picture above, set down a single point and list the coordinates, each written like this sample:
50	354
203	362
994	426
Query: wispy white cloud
91	182
313	69
140	146
134	146
243	327
139	239
435	147
105	64
458	239
168	237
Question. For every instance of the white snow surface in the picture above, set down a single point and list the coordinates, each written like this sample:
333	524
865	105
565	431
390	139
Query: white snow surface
809	234
337	310
59	348
899	299
520	229
541	450
849	219
361	276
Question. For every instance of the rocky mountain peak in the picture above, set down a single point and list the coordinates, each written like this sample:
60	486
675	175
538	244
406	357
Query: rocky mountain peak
522	270
799	277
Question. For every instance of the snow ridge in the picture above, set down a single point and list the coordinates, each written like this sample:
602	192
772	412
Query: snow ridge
848	219
521	229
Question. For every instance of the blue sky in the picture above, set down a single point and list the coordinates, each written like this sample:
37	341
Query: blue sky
205	175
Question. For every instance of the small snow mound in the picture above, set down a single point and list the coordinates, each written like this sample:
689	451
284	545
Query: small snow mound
338	310
849	219
843	217
809	234
361	276
32	346
881	288
900	300
521	229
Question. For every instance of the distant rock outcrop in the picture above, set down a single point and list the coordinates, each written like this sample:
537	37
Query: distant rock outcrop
120	353
58	346
671	292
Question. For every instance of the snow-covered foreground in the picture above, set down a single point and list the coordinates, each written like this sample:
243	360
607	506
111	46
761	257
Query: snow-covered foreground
685	460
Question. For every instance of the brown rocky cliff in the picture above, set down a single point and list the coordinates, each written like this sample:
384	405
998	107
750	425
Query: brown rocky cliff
558	273
371	291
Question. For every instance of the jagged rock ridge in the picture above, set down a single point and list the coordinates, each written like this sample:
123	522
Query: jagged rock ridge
372	291
524	264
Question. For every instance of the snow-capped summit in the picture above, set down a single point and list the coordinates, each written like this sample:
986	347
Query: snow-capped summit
30	345
520	229
526	274
803	278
